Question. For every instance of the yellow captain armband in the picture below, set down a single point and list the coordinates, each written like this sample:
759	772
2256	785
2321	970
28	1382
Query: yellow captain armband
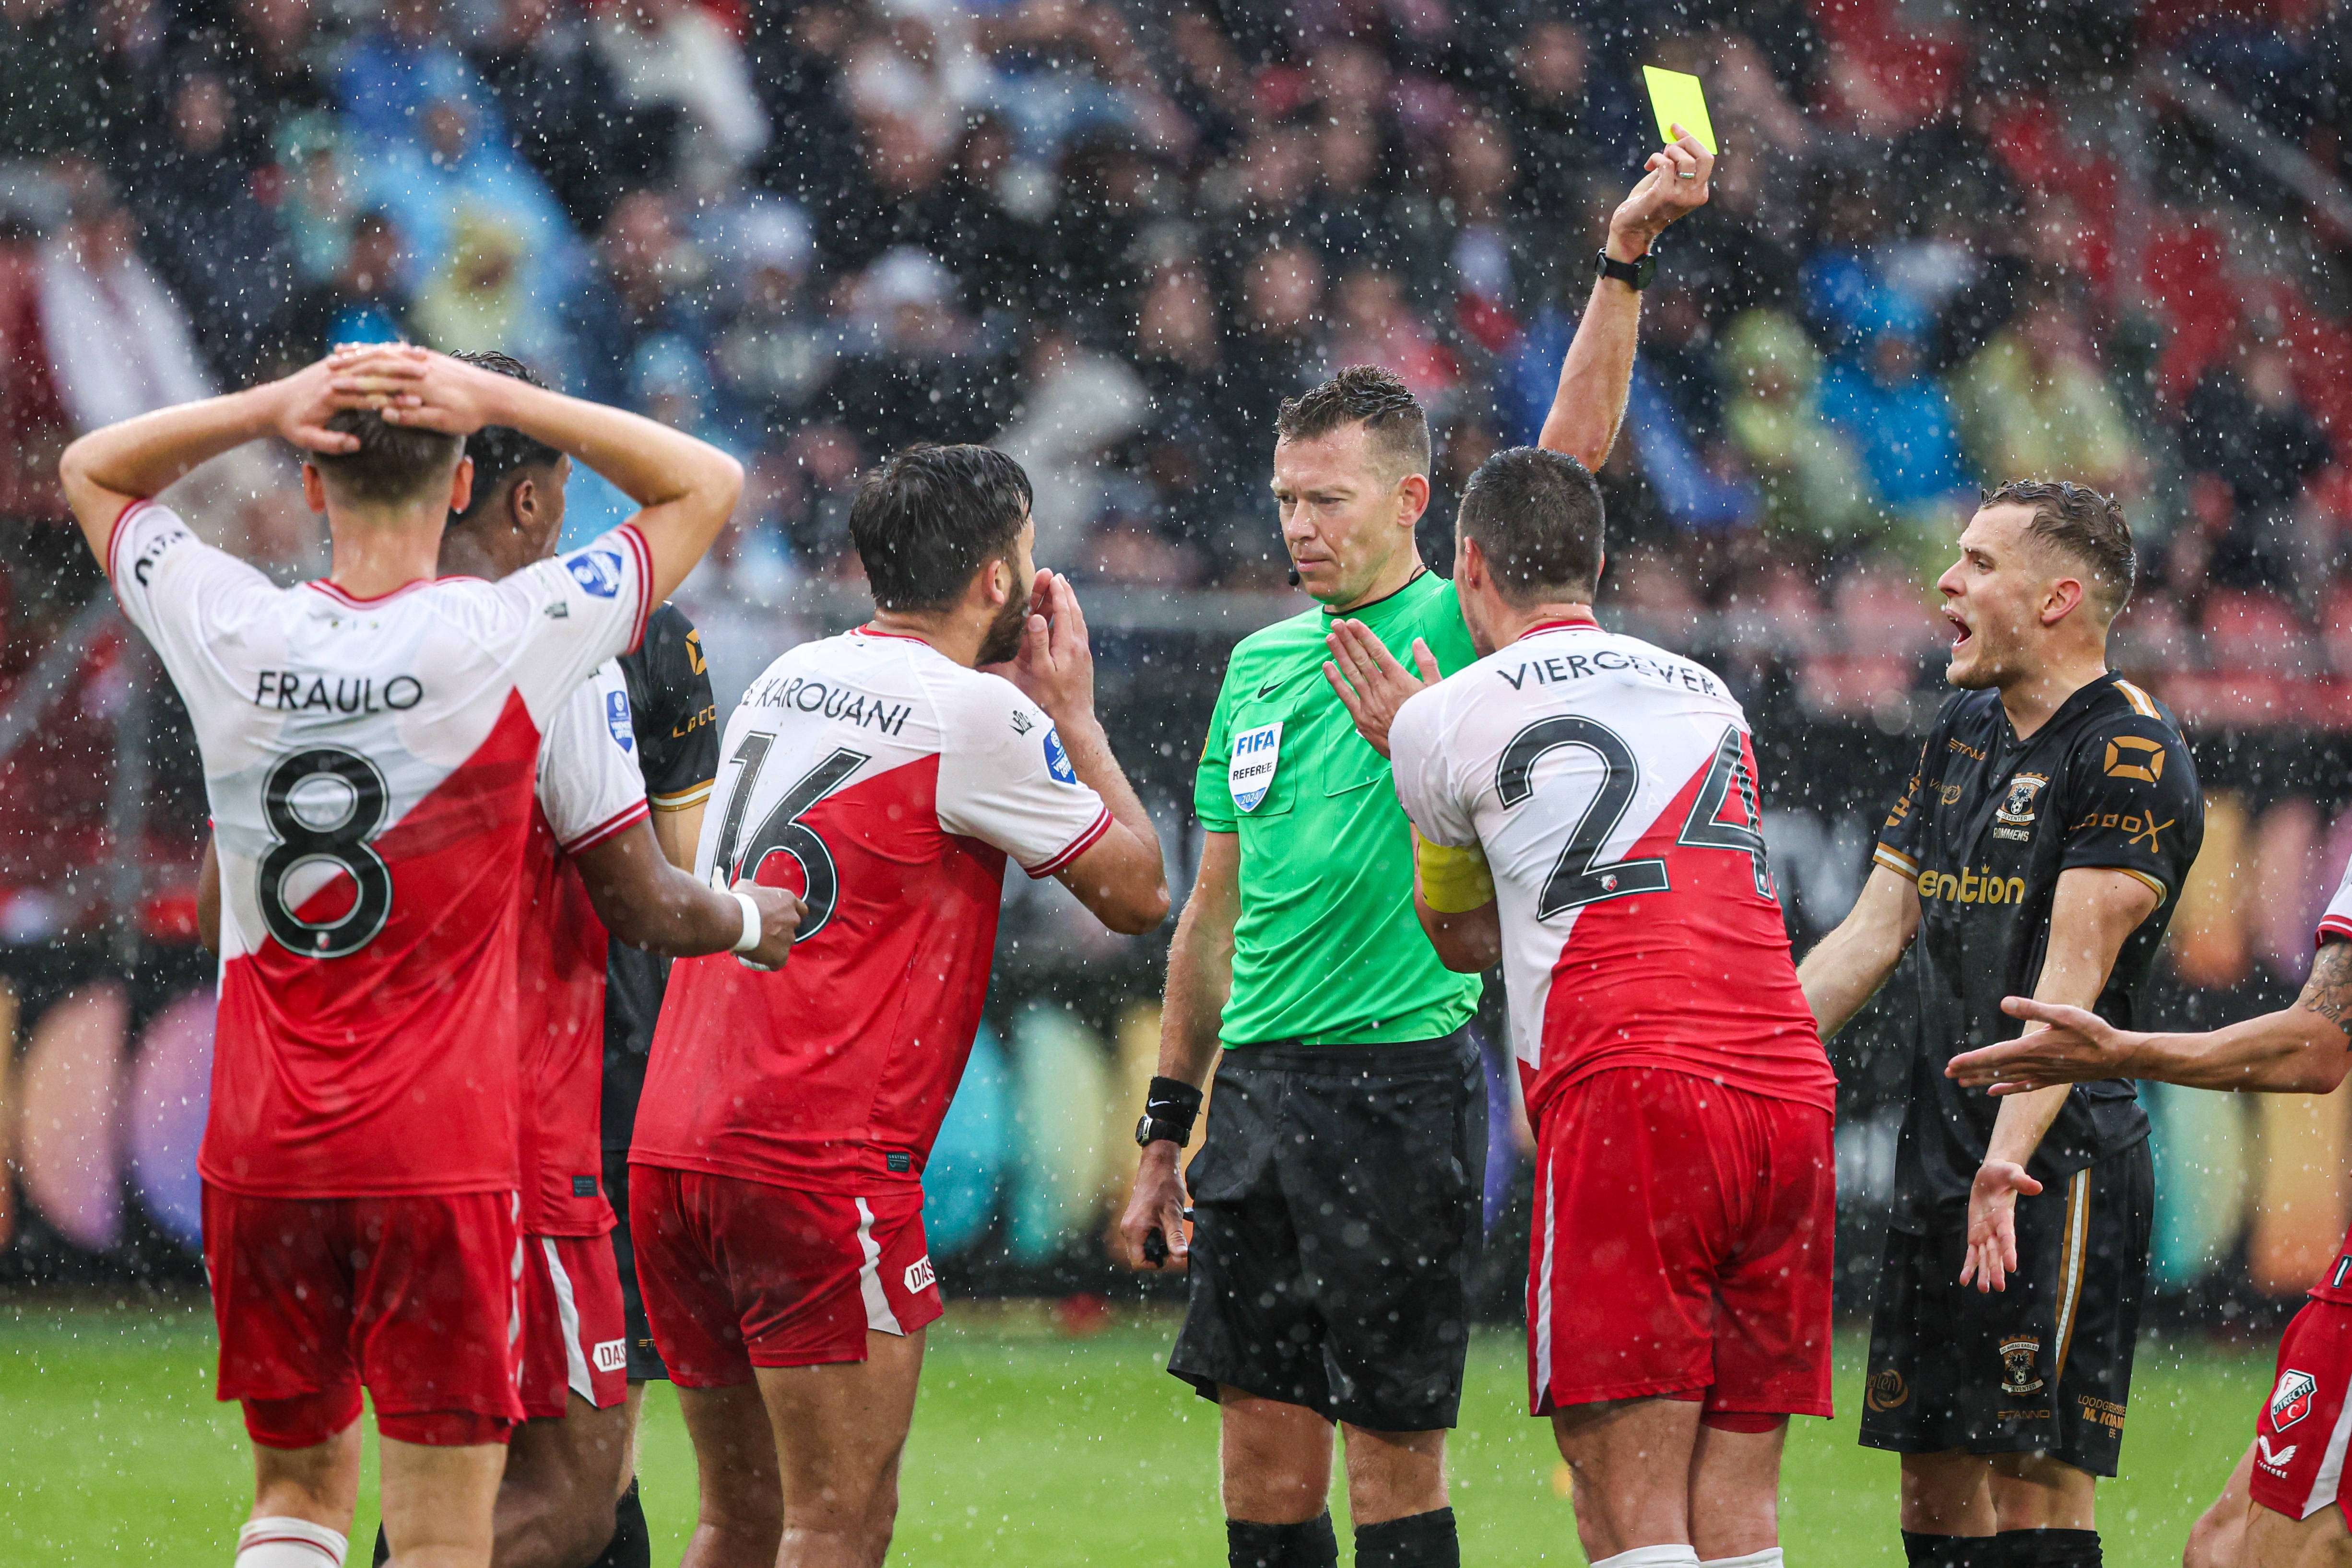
1453	882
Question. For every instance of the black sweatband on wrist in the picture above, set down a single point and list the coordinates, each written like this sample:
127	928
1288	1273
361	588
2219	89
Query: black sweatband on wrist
1174	1104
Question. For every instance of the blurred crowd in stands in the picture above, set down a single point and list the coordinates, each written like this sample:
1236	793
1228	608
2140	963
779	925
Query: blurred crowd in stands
1948	245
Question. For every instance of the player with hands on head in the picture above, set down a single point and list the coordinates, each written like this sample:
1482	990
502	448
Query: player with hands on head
2284	1506
368	742
2039	846
1304	871
887	775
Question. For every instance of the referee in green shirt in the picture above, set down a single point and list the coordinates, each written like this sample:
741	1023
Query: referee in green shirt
1336	1201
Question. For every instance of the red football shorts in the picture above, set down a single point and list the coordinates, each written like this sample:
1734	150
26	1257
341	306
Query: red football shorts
575	1337
2300	1439
1682	1248
738	1273
412	1297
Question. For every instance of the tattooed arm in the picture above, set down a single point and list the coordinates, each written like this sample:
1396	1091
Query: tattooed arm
2301	1050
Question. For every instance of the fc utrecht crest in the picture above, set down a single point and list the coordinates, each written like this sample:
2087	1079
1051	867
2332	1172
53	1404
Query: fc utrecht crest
1250	772
2290	1400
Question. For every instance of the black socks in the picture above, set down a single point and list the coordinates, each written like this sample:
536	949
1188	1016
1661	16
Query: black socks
1417	1541
2009	1548
1309	1545
632	1545
2049	1548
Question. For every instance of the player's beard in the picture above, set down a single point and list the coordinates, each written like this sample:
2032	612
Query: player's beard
1003	641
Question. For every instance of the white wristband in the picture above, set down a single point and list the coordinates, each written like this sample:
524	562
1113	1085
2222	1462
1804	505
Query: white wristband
751	931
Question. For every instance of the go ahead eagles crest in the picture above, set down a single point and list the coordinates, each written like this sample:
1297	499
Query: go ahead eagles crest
2018	1377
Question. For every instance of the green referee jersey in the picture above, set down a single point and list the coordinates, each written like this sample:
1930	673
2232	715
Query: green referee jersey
1327	948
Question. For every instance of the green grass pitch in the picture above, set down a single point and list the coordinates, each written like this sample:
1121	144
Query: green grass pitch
1028	1448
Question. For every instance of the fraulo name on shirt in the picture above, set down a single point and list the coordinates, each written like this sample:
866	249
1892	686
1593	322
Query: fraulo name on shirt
1553	669
300	691
845	703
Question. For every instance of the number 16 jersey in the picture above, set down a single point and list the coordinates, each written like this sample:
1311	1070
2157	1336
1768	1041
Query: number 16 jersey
885	784
1612	787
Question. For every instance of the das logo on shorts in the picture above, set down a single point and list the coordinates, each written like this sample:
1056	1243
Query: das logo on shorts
2290	1401
1250	774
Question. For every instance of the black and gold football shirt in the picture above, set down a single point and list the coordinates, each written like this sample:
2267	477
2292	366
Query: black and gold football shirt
1985	827
676	727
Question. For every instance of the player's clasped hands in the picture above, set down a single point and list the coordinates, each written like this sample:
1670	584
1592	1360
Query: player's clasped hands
1372	683
414	386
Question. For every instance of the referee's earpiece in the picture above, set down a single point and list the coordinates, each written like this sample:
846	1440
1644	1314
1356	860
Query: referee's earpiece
1294	577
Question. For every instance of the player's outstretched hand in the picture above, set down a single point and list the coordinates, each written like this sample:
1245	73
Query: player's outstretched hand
1156	1205
417	387
1992	1224
1371	682
1056	666
780	921
1679	176
2078	1047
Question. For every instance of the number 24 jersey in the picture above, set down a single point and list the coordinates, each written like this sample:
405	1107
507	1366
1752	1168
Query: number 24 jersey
369	767
1612	787
886	785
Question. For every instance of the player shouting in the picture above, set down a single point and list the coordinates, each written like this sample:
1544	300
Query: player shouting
1678	1287
2284	1506
2039	847
368	743
776	1198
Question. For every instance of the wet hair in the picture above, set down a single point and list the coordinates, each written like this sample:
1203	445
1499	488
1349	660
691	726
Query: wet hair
1396	427
931	515
2086	527
395	464
501	451
1536	518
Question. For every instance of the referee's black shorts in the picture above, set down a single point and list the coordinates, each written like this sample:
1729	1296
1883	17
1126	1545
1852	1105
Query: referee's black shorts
645	1361
2041	1366
1336	1205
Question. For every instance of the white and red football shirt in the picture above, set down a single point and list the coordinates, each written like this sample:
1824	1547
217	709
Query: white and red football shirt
886	785
370	768
1612	787
589	790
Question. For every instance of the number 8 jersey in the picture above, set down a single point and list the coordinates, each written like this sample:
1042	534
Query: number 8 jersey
369	767
885	784
1612	787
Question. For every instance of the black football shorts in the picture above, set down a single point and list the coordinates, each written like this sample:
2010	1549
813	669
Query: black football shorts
2044	1365
645	1361
1337	1202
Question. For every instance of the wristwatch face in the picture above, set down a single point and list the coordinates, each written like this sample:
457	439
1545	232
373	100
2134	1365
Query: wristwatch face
1142	1132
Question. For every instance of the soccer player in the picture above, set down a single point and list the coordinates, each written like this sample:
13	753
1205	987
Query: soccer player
594	867
1336	1203
368	742
775	1200
1681	1099
2284	1506
2039	847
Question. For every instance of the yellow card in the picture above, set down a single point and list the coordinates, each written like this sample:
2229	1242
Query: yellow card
1676	97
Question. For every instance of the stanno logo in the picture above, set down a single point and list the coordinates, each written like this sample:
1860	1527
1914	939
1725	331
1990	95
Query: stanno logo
2134	757
919	1275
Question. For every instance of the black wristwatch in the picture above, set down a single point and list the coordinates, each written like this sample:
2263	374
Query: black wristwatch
1634	275
1151	1130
